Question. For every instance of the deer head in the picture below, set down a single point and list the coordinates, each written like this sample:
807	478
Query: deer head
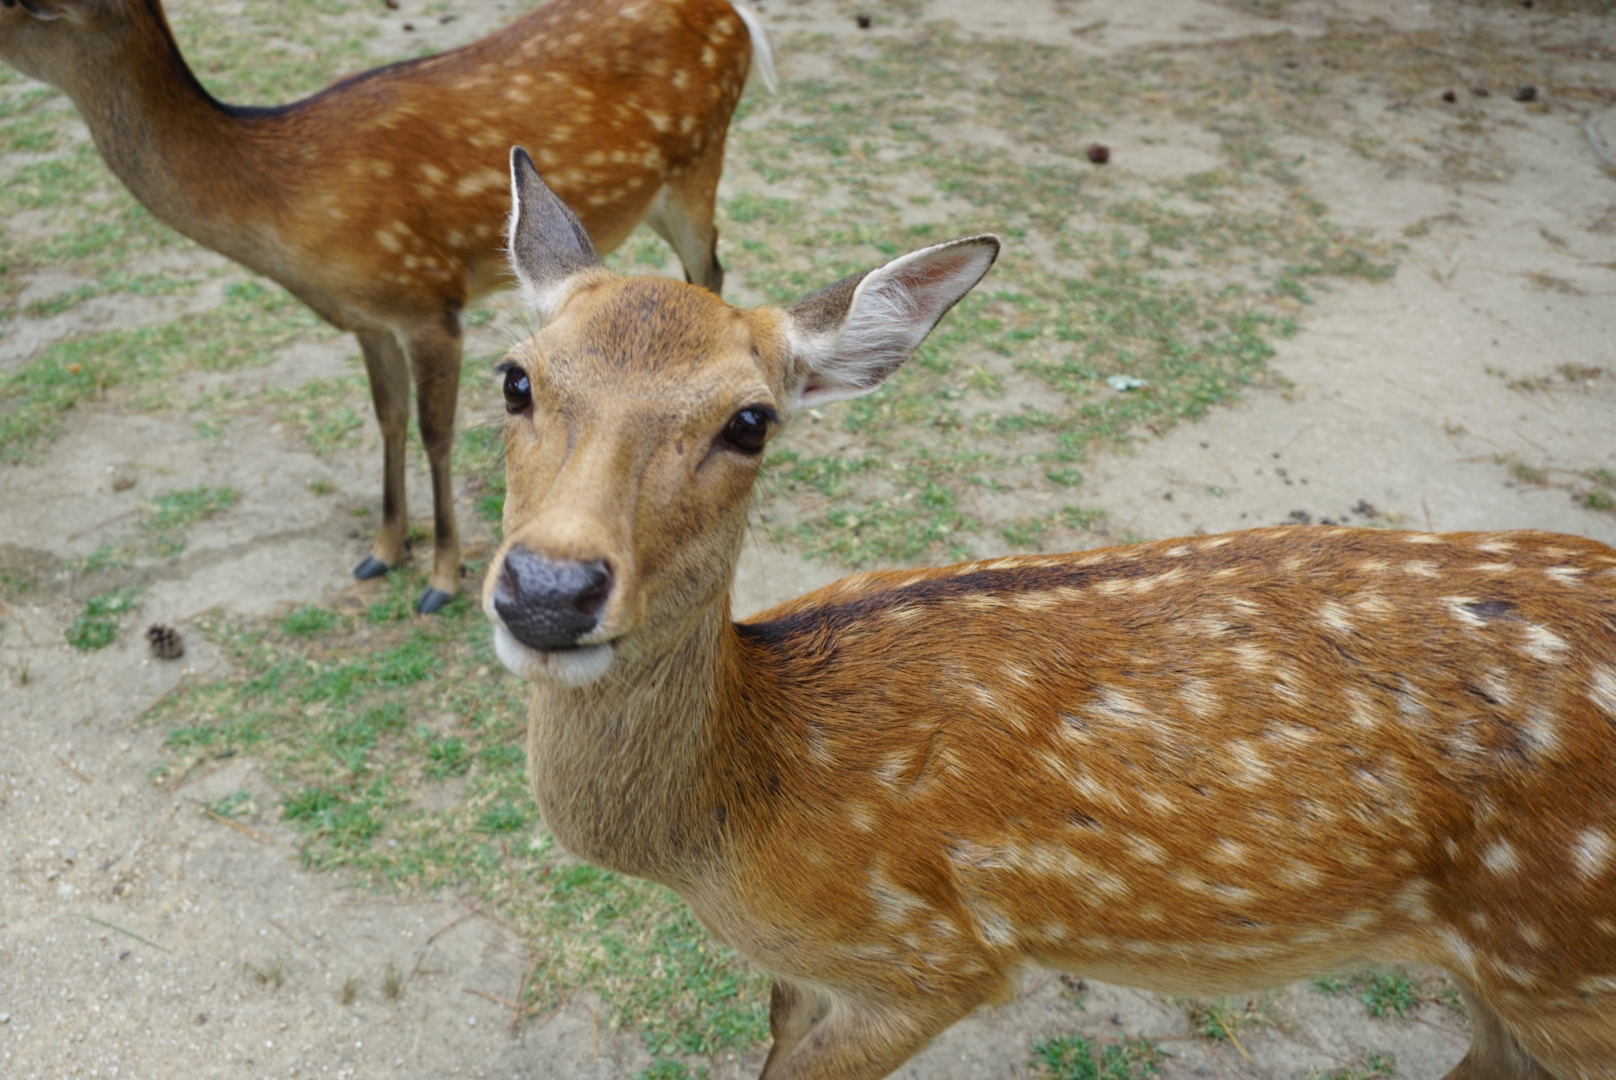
636	422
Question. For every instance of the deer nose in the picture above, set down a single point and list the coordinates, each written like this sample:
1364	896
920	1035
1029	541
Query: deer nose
550	603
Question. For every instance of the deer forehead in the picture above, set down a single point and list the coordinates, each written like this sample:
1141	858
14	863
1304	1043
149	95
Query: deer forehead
655	340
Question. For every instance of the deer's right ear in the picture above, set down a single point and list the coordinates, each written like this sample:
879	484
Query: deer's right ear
548	244
848	337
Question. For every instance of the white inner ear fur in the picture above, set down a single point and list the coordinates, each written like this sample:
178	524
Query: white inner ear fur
545	298
892	311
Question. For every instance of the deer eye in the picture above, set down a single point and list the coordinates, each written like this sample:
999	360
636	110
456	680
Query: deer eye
748	429
518	390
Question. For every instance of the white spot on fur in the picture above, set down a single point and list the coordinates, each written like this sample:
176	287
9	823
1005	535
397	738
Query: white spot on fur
1499	857
1299	876
1334	617
1565	575
1460	952
1543	644
1602	688
1592	852
1411	900
1457	608
892	903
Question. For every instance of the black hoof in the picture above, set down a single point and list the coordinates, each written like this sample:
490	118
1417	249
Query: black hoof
433	601
372	567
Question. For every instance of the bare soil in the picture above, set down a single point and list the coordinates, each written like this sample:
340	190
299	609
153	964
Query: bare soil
141	938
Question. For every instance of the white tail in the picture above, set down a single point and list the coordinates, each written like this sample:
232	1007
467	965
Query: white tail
1194	766
378	201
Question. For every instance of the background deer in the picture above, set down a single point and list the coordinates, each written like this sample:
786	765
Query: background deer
1194	766
379	201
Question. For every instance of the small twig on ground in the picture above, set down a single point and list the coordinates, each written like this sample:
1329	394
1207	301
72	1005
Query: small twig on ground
1600	150
290	937
70	767
450	925
128	933
495	919
236	825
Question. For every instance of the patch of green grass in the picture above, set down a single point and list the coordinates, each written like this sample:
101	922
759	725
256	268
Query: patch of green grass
1100	276
337	707
172	512
99	624
479	458
1222	1019
236	804
1374	1067
329	413
307	621
670	1069
244	331
61	302
1073	1057
1383	993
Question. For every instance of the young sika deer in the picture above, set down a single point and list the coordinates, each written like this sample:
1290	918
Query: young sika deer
1194	766
378	201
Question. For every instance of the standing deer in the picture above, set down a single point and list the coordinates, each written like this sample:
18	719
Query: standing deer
378	201
1194	766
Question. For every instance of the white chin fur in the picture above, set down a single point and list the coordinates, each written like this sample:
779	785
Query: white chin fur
572	667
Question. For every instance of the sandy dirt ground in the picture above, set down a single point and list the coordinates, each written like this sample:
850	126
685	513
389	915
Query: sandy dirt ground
141	939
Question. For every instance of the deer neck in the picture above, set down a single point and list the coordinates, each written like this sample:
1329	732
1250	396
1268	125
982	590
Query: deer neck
187	158
627	770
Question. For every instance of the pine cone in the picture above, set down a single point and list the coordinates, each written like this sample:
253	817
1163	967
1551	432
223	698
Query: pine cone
166	643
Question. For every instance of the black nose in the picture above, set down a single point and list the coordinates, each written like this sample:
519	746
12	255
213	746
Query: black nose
550	603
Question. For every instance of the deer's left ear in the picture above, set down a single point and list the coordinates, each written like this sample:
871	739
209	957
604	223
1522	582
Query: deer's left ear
848	337
548	244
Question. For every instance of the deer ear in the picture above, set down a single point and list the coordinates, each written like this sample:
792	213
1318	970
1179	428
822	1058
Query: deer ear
848	337
548	244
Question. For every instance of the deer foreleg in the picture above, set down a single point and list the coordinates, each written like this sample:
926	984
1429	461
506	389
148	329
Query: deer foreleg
390	393
820	1038
435	357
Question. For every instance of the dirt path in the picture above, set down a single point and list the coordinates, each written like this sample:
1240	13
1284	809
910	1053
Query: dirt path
141	938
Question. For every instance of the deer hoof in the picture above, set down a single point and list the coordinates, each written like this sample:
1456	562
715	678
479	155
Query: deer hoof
372	567
432	601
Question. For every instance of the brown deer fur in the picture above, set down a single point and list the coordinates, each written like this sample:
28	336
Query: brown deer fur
380	201
1193	766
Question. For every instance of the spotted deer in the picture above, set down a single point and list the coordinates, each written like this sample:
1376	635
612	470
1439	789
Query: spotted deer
379	201
1195	766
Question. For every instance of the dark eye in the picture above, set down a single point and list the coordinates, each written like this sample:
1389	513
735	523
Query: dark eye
748	430
518	391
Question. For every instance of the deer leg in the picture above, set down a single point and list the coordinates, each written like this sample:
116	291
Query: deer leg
389	376
793	1011
435	358
817	1038
1494	1052
682	214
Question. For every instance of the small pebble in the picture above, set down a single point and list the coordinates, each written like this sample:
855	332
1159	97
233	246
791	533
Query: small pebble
1449	96
1526	93
409	26
863	22
1099	153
